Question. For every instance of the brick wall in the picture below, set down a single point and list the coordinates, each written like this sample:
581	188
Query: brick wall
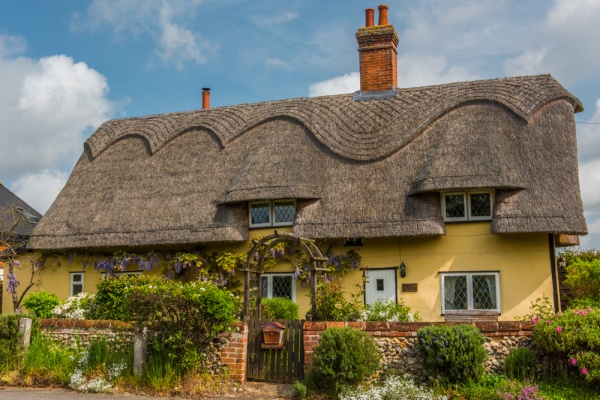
377	47
397	341
234	353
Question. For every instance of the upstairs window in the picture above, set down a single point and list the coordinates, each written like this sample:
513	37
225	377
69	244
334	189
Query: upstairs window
467	206
272	213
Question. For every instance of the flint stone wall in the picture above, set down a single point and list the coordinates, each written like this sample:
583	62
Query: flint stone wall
397	342
227	352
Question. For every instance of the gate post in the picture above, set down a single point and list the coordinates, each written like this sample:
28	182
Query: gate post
25	330
235	353
140	345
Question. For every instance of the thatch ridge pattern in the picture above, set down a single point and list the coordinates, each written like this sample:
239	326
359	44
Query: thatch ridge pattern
361	131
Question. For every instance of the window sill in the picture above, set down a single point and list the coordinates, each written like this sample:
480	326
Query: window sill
470	315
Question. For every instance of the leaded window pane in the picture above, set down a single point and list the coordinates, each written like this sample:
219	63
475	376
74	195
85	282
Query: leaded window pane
76	277
282	286
284	212
481	205
264	286
455	293
261	213
455	205
484	292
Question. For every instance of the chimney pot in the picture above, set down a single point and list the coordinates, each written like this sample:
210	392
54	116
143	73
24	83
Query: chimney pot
383	14
369	17
205	98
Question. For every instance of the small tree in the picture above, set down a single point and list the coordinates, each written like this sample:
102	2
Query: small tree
12	245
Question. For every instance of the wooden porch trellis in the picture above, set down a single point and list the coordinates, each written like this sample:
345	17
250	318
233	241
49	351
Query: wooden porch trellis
255	264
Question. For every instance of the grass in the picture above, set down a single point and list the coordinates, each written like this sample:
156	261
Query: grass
47	363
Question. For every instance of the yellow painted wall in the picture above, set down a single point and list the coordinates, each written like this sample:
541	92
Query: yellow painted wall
523	262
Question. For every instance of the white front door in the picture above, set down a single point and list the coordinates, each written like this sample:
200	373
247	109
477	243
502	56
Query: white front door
381	284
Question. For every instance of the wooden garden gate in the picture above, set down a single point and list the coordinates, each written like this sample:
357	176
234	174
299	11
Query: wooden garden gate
284	365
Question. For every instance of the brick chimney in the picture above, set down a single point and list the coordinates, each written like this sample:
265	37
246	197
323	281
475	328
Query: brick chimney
377	49
205	98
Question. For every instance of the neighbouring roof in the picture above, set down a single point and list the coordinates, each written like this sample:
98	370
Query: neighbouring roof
369	168
17	218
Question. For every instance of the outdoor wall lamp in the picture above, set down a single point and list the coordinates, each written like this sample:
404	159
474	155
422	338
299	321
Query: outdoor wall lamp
562	262
402	269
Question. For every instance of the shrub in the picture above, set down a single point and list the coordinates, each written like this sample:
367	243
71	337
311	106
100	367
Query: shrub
394	388
74	307
333	306
185	316
539	309
111	297
344	357
519	390
279	308
390	311
586	302
41	304
573	336
452	353
300	390
583	278
519	363
10	343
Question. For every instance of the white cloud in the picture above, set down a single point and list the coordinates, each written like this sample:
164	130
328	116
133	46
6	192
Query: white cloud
348	83
162	21
589	178
47	108
421	70
178	44
40	189
271	20
11	45
589	137
566	39
277	63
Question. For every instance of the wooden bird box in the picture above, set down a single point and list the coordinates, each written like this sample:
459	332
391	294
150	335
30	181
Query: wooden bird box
273	335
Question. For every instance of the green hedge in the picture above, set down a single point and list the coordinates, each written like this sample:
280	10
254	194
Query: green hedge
452	353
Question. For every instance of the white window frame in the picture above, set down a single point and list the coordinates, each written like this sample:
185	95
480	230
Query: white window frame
73	283
467	206
272	221
269	277
469	276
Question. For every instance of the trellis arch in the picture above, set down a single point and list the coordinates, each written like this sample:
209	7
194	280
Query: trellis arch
255	265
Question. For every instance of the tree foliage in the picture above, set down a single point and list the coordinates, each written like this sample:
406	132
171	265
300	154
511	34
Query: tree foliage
185	316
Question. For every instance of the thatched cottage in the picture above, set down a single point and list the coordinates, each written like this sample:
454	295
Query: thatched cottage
469	186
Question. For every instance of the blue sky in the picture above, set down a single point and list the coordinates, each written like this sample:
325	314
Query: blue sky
67	66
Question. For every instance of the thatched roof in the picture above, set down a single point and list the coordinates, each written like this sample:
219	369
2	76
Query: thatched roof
17	218
369	168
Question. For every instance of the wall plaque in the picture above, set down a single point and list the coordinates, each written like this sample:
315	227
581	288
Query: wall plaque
409	287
